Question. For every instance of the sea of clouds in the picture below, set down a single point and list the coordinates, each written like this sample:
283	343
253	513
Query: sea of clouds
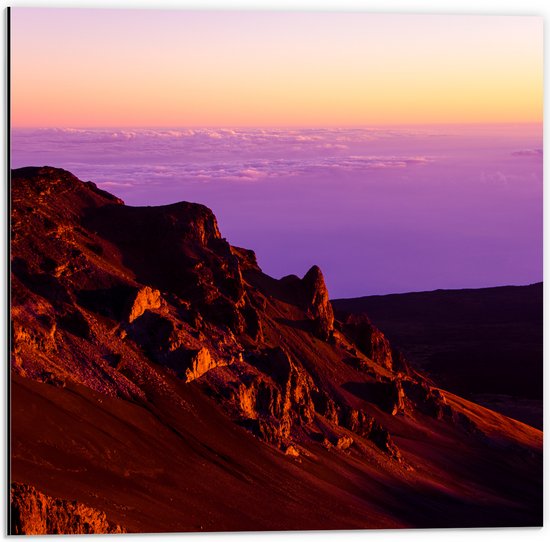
125	157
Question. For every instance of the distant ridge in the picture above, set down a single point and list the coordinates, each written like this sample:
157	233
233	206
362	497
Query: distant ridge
482	288
485	343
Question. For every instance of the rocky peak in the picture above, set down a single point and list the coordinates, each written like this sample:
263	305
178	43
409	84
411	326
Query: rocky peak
317	302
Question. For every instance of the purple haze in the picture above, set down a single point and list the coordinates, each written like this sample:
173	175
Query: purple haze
379	210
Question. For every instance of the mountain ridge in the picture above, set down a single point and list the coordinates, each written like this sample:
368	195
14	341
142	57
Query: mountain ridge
141	328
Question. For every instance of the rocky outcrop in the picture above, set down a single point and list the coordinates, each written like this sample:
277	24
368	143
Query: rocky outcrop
147	298
317	303
325	406
369	339
175	346
275	399
367	426
200	362
396	397
34	513
269	394
342	442
282	395
424	398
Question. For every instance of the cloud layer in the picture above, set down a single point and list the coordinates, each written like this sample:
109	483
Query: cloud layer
132	156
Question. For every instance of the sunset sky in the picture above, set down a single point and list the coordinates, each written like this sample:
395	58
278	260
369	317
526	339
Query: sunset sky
86	68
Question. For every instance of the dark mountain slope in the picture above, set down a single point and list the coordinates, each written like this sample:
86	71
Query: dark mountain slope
485	344
159	377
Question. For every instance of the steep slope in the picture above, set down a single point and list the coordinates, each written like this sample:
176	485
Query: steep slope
484	344
159	377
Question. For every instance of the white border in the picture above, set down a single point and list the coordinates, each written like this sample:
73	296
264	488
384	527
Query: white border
500	7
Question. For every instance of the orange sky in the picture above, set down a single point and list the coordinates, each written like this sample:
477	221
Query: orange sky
182	68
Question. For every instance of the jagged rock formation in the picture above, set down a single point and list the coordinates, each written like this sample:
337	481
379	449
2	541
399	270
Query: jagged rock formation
33	512
317	302
168	363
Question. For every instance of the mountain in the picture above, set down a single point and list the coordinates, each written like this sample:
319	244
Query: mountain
161	382
484	344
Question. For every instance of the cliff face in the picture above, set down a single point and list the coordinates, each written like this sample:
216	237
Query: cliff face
188	367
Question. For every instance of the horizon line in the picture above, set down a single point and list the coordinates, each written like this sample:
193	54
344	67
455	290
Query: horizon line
541	282
275	126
